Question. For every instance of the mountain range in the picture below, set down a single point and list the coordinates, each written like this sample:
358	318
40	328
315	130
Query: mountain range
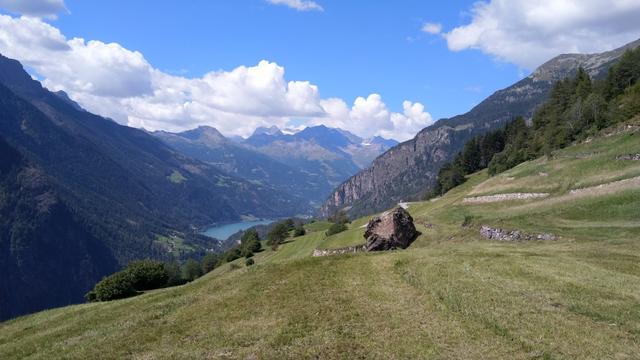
408	170
88	195
307	164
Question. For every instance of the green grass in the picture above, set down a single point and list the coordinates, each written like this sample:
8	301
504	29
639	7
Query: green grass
451	295
174	245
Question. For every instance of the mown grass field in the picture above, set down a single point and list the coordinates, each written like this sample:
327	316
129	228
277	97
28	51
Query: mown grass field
451	295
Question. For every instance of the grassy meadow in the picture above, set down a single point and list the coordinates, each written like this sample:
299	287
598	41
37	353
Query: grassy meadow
451	295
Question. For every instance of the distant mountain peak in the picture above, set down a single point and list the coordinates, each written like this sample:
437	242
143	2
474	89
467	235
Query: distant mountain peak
379	140
594	64
64	96
272	130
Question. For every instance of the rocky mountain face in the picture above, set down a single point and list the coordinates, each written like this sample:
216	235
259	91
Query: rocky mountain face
105	194
210	146
408	170
306	164
330	154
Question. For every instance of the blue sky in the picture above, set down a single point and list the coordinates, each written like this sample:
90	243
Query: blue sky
385	68
347	50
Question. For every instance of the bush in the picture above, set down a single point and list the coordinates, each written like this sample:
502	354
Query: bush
191	270
250	242
230	255
147	274
277	235
112	287
289	223
249	262
299	231
336	228
209	262
90	296
175	274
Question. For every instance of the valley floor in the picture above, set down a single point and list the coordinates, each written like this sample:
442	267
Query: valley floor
451	295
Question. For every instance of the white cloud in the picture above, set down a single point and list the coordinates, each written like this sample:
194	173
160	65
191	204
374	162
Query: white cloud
528	33
370	116
432	28
116	82
300	5
34	8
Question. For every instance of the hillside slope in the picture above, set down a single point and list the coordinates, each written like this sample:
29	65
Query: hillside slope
452	295
407	171
132	193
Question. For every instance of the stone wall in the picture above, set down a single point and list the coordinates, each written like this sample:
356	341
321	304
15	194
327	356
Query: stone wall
513	235
344	250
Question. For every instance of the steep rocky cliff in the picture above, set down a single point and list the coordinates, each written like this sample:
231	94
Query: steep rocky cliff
407	171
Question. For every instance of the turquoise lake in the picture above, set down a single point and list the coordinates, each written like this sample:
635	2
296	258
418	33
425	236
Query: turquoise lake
222	232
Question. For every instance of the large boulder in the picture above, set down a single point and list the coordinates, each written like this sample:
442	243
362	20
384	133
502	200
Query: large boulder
392	230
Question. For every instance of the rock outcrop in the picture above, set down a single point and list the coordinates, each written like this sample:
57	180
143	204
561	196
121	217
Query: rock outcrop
631	157
392	230
513	235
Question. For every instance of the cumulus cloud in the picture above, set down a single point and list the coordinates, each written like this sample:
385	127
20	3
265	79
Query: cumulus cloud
432	28
528	33
34	8
119	83
370	116
300	5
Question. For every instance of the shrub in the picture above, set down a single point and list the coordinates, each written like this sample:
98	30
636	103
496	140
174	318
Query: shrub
250	242
209	262
249	262
112	287
289	223
299	231
191	270
90	296
277	235
147	274
230	255
336	228
175	274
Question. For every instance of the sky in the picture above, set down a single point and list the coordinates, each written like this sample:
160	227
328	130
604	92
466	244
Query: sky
387	68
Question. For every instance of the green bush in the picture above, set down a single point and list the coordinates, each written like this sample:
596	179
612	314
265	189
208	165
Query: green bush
336	228
112	287
191	270
299	231
175	274
250	243
230	255
277	235
209	262
147	274
249	262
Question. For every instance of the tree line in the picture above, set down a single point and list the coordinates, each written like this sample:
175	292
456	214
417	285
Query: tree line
577	107
143	275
